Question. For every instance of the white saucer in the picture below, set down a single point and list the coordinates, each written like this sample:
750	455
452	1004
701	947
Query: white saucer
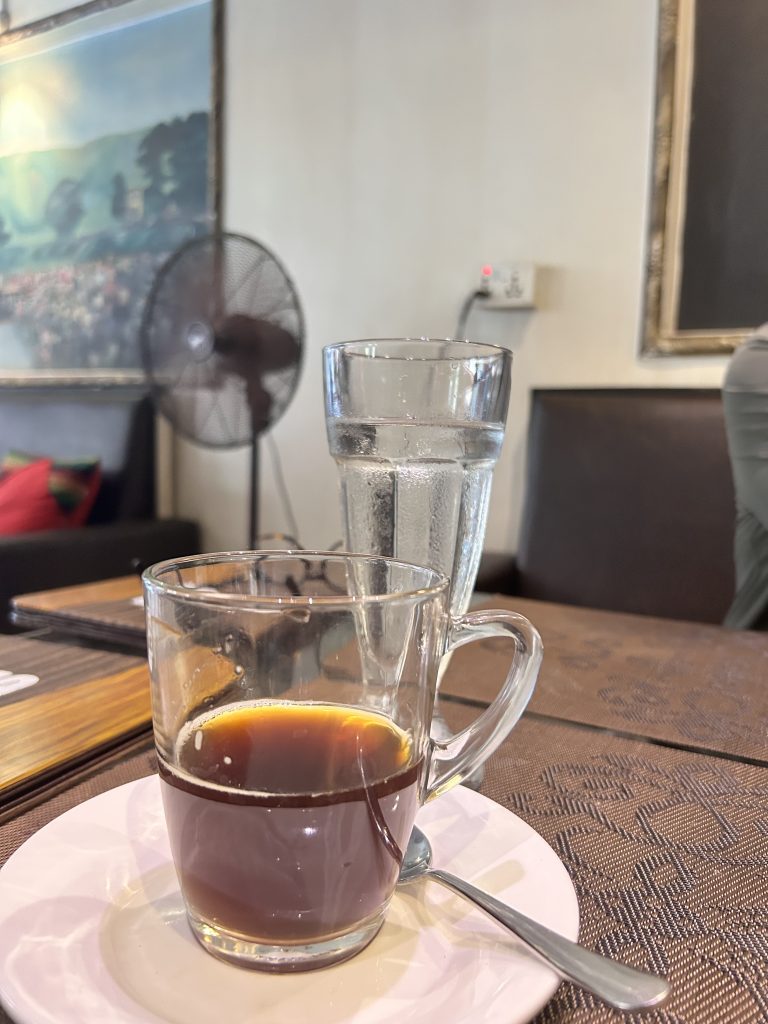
92	930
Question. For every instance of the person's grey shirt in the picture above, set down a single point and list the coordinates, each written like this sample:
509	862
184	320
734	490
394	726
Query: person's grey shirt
745	405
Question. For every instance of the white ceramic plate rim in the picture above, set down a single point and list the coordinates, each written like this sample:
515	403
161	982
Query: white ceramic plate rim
92	930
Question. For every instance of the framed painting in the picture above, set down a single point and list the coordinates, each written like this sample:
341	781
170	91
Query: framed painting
707	273
110	159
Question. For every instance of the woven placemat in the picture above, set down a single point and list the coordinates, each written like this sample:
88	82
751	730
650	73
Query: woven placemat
696	686
668	852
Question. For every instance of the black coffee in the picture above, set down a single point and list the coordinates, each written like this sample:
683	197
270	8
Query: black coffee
287	821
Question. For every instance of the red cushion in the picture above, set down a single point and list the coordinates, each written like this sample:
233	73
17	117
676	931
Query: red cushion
74	483
26	504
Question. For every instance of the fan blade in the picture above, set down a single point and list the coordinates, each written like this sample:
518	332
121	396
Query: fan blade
233	291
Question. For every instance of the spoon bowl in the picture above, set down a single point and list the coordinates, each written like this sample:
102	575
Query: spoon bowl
618	985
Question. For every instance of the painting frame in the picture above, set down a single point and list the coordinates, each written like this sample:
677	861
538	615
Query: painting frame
661	333
87	19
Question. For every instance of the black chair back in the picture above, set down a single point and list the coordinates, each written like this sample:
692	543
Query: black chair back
629	502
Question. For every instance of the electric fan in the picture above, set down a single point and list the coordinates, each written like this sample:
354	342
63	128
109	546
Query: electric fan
221	338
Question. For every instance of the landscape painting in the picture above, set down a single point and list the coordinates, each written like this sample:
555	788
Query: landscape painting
107	166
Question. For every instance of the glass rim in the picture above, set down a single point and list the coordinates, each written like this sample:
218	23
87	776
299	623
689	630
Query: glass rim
480	349
152	579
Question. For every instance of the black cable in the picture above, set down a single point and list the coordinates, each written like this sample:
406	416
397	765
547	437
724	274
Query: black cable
277	470
466	309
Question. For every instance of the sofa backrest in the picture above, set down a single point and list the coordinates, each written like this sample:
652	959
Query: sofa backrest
629	502
115	424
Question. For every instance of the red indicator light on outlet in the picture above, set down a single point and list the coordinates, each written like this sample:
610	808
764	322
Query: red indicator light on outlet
487	270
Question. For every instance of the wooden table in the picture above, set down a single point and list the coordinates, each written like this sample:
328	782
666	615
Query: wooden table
642	761
108	610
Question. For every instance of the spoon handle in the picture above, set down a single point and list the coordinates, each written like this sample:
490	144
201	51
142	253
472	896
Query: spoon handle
623	987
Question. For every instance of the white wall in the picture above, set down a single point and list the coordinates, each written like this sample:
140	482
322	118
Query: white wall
385	151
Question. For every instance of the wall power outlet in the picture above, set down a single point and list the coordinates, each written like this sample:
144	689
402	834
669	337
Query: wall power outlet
508	285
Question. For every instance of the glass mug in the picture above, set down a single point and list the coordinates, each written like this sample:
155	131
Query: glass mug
292	734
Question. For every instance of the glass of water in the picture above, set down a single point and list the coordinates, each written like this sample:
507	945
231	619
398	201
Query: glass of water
415	427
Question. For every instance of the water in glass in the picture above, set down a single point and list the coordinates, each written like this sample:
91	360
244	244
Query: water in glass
418	491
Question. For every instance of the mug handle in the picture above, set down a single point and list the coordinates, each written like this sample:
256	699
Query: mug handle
455	759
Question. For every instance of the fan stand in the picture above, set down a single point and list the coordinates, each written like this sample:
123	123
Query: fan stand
253	529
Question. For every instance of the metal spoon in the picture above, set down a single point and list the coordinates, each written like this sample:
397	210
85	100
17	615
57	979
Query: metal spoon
623	987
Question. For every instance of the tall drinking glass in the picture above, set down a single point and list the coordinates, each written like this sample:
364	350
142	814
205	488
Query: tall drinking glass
415	427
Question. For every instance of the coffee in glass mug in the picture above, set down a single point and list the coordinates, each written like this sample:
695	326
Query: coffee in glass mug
292	696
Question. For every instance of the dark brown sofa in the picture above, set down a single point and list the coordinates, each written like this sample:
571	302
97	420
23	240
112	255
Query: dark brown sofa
628	504
123	534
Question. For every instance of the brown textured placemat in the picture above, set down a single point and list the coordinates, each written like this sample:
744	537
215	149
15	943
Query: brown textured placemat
668	852
693	685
